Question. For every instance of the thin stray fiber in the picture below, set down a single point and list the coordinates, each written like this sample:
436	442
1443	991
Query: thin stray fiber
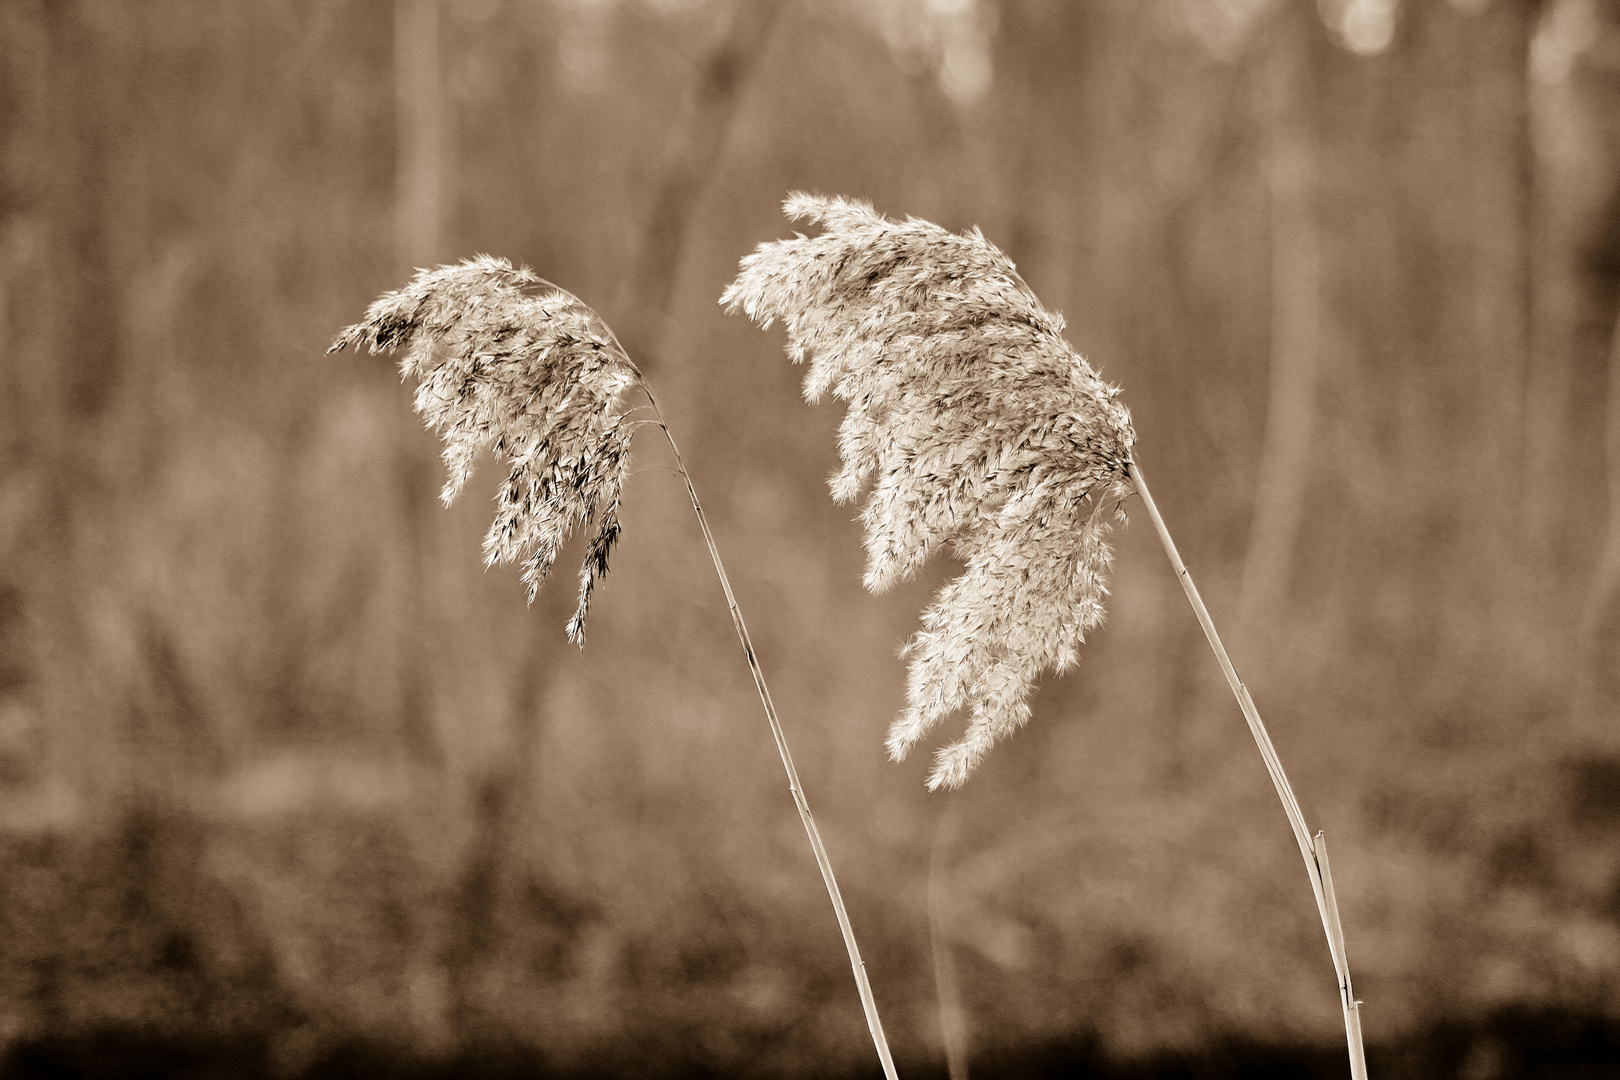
978	427
508	363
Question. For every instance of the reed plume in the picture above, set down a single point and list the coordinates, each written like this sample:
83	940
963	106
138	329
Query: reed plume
978	427
985	431
534	379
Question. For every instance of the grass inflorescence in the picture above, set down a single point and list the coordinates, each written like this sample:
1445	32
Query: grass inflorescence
535	378
511	364
971	422
978	428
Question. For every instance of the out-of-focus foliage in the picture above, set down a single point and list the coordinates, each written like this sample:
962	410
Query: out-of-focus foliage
279	761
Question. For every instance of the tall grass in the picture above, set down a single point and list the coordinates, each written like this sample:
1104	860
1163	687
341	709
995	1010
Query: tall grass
509	363
977	426
980	430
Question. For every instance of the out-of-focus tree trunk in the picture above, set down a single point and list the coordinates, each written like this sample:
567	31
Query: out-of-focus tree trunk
420	160
420	119
1565	161
1596	682
691	156
1606	581
1285	456
76	159
1501	192
1572	435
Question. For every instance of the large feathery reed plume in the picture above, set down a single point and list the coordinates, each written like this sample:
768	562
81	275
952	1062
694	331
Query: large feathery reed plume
981	429
509	363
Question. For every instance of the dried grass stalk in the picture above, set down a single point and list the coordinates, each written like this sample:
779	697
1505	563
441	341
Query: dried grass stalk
979	428
1312	849
986	431
536	379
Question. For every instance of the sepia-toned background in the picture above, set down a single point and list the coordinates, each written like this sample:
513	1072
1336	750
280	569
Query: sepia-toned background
291	786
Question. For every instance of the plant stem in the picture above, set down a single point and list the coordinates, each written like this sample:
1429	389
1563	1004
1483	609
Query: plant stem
862	983
1313	849
948	991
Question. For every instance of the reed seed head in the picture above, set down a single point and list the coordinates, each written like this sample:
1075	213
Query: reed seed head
507	362
978	427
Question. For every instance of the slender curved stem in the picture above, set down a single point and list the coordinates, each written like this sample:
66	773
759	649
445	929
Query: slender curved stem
948	989
1312	848
862	983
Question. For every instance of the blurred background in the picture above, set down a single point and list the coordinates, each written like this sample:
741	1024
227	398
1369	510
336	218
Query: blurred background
290	786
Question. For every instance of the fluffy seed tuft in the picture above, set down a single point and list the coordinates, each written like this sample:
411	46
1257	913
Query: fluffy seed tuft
977	426
508	363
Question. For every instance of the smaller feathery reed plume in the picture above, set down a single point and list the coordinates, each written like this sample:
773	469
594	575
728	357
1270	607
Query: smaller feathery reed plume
537	378
979	427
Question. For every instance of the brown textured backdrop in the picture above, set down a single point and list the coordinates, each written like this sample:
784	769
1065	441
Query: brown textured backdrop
285	776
